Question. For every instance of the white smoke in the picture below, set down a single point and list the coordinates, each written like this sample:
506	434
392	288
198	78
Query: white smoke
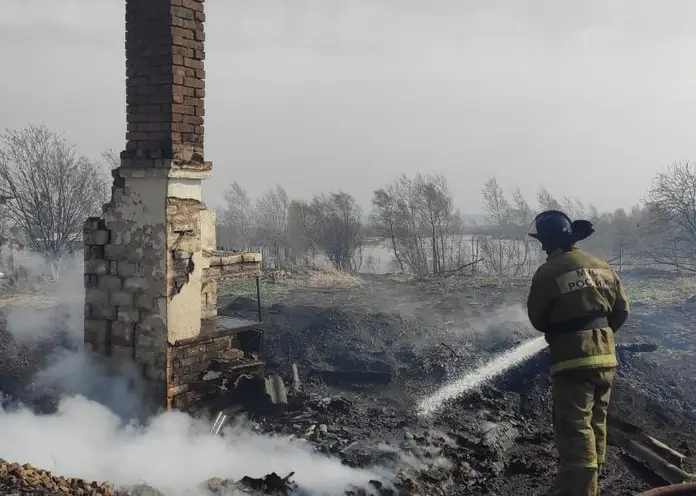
91	435
490	330
73	373
495	321
173	452
50	288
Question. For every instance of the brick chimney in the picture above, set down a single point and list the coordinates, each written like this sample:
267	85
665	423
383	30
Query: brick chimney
150	260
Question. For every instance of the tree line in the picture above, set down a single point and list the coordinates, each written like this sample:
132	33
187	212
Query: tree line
294	231
417	220
659	232
48	188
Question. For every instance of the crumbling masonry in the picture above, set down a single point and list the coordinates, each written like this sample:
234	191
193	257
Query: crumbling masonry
151	263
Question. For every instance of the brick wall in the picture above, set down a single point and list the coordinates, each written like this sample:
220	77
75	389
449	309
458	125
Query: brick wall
98	313
188	361
165	85
125	283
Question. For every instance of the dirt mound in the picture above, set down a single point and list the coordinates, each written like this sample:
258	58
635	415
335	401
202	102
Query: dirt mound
330	338
414	354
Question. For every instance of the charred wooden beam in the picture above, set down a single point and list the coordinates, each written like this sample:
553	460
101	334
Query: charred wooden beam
352	376
649	452
669	454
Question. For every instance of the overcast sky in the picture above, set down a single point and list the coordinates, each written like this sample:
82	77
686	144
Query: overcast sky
587	97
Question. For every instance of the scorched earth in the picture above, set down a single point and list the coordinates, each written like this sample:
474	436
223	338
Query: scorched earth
369	349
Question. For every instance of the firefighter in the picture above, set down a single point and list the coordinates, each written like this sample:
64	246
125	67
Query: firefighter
578	302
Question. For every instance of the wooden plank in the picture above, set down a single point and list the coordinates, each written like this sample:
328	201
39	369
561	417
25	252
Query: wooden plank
651	460
669	454
232	258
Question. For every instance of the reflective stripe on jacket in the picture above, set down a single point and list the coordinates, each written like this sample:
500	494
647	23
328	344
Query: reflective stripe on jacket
575	286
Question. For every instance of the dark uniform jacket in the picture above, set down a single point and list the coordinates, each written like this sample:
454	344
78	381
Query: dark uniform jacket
578	302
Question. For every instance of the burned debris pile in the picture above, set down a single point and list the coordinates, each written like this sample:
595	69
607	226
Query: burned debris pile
461	452
16	479
270	484
331	339
362	370
351	397
337	342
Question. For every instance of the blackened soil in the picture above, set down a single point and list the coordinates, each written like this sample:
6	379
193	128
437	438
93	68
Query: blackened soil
21	359
495	440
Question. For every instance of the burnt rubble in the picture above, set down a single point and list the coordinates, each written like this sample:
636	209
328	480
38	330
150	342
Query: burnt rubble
475	445
18	479
423	457
351	396
500	432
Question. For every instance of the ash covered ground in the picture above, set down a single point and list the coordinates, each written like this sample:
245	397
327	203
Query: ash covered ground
369	350
497	439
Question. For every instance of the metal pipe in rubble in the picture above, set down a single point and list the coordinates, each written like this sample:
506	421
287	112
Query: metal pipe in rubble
218	424
258	297
676	489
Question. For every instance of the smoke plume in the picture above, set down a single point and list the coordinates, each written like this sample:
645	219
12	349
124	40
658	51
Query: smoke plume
97	433
173	452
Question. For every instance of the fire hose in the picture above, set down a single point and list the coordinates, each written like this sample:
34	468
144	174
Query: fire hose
676	489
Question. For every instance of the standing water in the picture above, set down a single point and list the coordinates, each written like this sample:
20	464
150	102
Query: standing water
484	373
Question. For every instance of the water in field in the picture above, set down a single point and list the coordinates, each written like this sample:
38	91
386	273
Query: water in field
483	374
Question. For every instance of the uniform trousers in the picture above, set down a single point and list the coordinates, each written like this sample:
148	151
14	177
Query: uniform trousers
580	403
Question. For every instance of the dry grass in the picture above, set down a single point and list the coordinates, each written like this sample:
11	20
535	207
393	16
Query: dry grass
326	278
658	291
274	288
10	297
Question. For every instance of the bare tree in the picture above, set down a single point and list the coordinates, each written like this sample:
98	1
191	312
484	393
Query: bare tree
434	203
412	237
672	211
522	213
495	204
333	224
574	208
237	218
546	200
522	217
271	215
418	217
501	252
51	188
672	197
300	242
385	218
111	159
